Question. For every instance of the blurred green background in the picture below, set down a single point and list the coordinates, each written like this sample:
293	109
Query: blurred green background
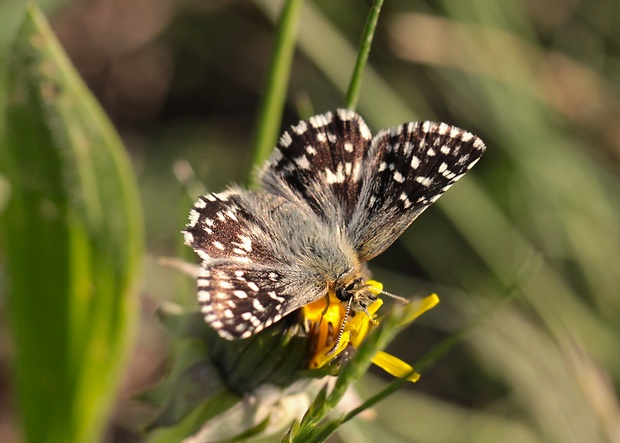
536	221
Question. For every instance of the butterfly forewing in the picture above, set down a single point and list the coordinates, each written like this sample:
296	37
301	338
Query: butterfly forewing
320	161
407	168
223	226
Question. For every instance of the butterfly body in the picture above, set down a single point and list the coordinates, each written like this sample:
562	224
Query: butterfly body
333	198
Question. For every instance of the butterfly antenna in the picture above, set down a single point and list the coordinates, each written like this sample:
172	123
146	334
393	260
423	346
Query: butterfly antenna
344	322
397	297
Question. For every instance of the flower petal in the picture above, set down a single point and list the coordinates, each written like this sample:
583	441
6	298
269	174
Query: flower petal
395	366
419	307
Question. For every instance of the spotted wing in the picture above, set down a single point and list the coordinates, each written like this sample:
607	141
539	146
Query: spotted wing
239	299
319	161
406	169
250	276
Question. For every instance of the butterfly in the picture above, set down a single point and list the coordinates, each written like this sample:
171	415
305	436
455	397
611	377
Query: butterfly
332	198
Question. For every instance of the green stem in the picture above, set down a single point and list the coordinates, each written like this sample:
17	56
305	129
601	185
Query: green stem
274	97
362	54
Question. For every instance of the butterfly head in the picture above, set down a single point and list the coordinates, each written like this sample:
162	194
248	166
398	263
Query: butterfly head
356	292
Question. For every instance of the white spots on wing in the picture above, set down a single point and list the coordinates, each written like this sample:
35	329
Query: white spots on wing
382	166
193	218
434	198
449	185
188	238
332	137
204	296
202	254
462	160
239	251
318	121
220	216
246	316
426	127
424	181
479	144
396	131
221	296
347	168
274	296
224	284
456	133
443	128
467	136
398	177
431	152
443	167
445	149
223	196
240	294
415	162
210	197
245	243
366	134
218	245
300	128
273	276
337	177
471	165
407	148
406	203
448	174
320	136
257	305
276	156
216	324
246	334
372	200
228	313
346	115
310	150
357	171
204	273
302	162
253	286
200	203
348	146
231	215
286	140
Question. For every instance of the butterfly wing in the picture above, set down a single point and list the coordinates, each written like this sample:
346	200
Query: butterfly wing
261	259
372	187
318	162
406	169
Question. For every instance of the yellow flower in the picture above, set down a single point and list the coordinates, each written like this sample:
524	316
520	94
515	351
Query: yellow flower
324	320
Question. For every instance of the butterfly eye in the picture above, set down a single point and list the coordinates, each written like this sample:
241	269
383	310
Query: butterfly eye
345	293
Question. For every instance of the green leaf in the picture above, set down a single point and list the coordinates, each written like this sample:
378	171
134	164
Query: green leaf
72	232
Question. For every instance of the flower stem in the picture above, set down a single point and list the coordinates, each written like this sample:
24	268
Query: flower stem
276	85
362	54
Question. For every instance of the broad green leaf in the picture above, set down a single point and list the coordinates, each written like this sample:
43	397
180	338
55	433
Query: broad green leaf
72	235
